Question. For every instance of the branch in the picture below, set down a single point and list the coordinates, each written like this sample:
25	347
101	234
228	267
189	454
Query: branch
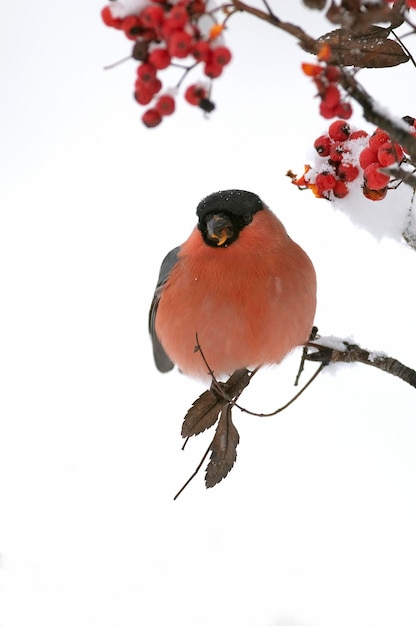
398	173
351	353
372	112
397	129
307	43
216	404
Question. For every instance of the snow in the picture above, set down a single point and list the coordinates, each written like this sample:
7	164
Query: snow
122	8
383	218
334	342
314	526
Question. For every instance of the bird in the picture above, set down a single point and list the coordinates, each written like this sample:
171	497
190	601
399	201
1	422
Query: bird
239	290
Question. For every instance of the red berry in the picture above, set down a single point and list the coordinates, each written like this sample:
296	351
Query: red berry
340	189
145	88
160	58
179	44
146	72
322	145
155	85
149	34
152	16
347	172
326	111
374	179
221	55
213	70
331	97
132	26
176	18
331	73
195	93
165	105
201	51
344	110
109	20
367	156
196	7
325	182
143	93
378	138
339	130
357	134
389	153
337	151
151	118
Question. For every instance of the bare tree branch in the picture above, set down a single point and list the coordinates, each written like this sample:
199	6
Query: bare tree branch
354	354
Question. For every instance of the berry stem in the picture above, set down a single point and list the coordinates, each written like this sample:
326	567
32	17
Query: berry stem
185	73
269	10
405	48
116	63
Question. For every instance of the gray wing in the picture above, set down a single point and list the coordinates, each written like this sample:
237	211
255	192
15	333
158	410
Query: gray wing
163	362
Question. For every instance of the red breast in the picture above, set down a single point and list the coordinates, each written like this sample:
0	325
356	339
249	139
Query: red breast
249	303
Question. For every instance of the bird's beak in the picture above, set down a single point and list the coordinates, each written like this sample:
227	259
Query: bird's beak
219	228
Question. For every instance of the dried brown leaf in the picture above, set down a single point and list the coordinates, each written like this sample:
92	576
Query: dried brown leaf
369	49
223	449
236	383
205	410
315	4
202	415
354	14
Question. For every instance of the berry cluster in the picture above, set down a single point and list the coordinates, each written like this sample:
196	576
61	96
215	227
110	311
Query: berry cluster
325	78
338	168
346	156
165	31
380	152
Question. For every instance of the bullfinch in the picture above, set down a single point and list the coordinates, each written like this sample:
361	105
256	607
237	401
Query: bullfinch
239	287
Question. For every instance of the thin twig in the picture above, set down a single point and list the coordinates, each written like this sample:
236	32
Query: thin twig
214	382
399	40
219	387
116	63
194	474
285	406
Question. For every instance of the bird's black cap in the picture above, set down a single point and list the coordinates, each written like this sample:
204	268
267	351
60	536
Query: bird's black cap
235	202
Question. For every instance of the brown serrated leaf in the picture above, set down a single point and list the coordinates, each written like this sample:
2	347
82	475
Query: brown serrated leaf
236	383
371	49
315	4
224	449
202	415
354	14
205	410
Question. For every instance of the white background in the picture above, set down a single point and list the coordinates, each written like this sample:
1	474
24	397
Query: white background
315	524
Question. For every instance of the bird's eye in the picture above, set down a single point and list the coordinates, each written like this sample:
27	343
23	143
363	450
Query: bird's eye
247	218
